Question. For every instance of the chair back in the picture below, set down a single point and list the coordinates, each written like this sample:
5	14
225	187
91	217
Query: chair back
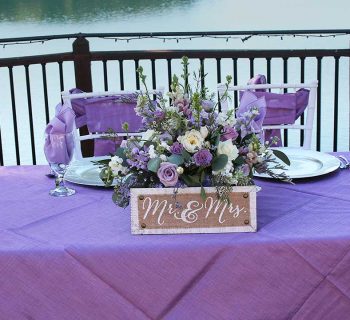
281	98
102	111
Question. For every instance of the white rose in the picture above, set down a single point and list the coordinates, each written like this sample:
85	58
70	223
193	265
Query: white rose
192	141
204	131
228	148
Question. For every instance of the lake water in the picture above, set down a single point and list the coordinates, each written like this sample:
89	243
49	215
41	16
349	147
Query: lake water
20	18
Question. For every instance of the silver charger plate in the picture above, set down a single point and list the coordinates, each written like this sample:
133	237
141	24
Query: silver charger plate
306	163
85	172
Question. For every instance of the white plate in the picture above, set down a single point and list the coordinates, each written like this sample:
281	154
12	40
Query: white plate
85	172
307	163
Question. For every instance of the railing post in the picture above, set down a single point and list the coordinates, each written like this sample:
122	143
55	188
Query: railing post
82	64
83	81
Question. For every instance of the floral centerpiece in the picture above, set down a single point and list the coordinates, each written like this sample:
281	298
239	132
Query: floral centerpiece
188	142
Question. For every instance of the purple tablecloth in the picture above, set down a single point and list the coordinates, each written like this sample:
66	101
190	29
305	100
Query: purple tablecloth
74	258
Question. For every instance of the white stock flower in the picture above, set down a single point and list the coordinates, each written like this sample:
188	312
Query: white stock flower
124	144
172	109
176	94
165	145
116	165
226	118
192	140
163	157
152	153
228	148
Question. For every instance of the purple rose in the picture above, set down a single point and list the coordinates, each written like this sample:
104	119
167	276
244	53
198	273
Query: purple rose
203	158
176	148
229	134
167	174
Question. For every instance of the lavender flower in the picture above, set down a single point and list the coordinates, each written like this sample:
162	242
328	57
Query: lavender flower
207	105
245	169
138	158
159	115
166	136
176	148
167	174
203	158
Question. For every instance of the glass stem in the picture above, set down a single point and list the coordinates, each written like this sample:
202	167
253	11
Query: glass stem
59	181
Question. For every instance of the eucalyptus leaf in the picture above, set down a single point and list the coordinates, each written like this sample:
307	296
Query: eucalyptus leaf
203	194
219	162
103	174
191	181
239	161
186	155
153	164
282	156
101	162
106	176
217	140
176	159
120	152
247	137
150	143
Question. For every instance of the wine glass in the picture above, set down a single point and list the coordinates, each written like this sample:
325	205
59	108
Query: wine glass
59	149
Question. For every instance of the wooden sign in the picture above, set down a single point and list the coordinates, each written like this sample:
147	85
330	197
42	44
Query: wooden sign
158	211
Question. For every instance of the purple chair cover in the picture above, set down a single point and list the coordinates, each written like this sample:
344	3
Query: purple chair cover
258	79
58	147
281	108
103	113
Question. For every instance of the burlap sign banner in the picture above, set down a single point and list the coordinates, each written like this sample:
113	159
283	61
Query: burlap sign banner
158	211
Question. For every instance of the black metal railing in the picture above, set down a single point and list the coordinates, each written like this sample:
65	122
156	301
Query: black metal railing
82	59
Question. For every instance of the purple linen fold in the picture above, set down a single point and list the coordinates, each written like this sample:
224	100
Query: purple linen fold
249	101
59	140
282	108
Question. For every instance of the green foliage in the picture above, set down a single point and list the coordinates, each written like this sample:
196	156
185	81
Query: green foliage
219	162
154	164
191	180
282	156
203	194
176	159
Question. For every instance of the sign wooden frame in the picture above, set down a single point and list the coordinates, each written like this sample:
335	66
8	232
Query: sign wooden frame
158	211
